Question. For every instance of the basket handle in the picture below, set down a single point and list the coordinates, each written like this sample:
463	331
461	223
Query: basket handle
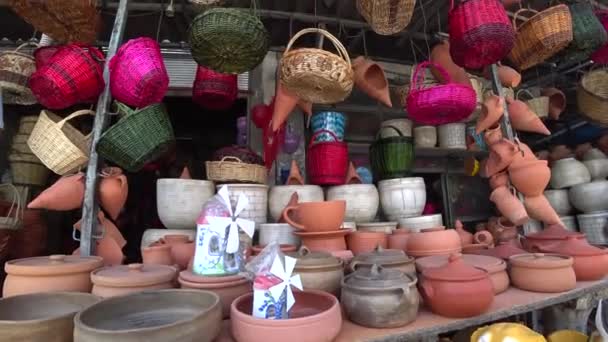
123	109
16	202
322	131
389	126
230	158
75	115
339	47
26	44
516	14
526	91
425	65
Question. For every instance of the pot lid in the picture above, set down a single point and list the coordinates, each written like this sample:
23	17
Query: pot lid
574	246
133	275
541	260
53	265
306	258
456	269
379	277
553	232
220	281
383	256
488	263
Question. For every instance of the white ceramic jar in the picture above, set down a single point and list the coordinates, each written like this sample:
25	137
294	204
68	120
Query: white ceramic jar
281	233
453	135
559	200
257	194
403	125
180	201
402	197
568	172
590	197
279	196
362	201
425	136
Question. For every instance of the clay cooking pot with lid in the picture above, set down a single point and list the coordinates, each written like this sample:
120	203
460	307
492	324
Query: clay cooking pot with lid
120	280
387	258
436	241
504	250
318	270
590	262
548	236
540	272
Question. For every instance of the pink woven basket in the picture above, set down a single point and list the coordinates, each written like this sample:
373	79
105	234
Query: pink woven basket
214	90
439	104
138	76
600	56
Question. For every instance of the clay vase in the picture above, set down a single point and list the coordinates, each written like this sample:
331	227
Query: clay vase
441	55
581	149
540	209
491	111
493	134
113	191
530	177
67	193
284	103
483	237
465	237
352	177
509	206
295	177
507	76
557	101
499	179
158	254
370	78
523	119
501	156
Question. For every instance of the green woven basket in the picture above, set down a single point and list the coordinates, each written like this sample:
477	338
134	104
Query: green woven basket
588	32
139	137
392	157
228	40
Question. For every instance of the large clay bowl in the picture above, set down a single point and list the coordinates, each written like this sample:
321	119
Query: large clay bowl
42	317
153	316
315	317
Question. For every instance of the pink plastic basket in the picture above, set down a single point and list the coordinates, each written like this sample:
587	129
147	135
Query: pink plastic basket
439	104
600	56
138	76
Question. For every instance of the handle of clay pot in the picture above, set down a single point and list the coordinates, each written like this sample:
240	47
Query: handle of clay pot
289	220
427	289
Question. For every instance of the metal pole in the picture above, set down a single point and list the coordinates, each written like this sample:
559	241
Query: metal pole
505	123
90	205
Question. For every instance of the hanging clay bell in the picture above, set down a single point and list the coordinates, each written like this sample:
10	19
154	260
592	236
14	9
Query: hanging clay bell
370	78
440	55
507	76
284	103
465	237
509	205
491	111
113	191
352	177
493	134
501	156
523	119
540	209
295	177
557	101
67	193
185	173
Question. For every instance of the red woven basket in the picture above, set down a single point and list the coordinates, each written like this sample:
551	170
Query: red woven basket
480	33
600	56
439	104
71	75
138	76
327	161
214	90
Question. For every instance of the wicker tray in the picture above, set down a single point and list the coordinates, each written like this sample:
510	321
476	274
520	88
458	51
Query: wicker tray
232	169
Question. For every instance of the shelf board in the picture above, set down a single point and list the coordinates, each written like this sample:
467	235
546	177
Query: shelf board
436	152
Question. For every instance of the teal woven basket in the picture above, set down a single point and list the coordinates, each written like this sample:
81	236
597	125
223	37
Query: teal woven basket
392	157
228	40
588	32
139	137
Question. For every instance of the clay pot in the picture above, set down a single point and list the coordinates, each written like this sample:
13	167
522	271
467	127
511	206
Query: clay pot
362	200
398	240
318	270
499	179
316	216
493	134
491	111
324	241
542	272
391	295
530	177
387	258
590	262
466	238
539	209
509	205
113	191
67	193
370	78
434	242
440	54
524	155
483	237
124	279
228	288
559	201
501	156
504	250
548	236
557	101
560	152
361	242
181	249
523	119
456	289
507	76
315	316
284	104
157	255
55	273
285	248
598	168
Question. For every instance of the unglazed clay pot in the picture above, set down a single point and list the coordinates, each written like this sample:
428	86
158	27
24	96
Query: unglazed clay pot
530	177
504	250
318	270
491	111
124	279
67	193
361	242
557	101
493	134
182	250
316	216
315	316
523	119
540	272
158	255
434	242
113	191
331	241
466	238
501	156
509	205
398	240
402	197
390	294
590	262
558	199
228	288
539	209
387	258
568	172
504	230
370	78
548	236
456	289
499	179
483	237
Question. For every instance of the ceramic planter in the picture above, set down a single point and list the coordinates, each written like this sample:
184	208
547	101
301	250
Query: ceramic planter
361	242
157	255
55	273
530	177
180	201
568	172
391	296
319	270
279	196
362	201
402	197
559	201
590	262
124	279
551	234
433	242
316	216
540	272
418	223
598	168
281	233
387	258
452	135
228	288
257	194
425	136
590	197
380	227
403	125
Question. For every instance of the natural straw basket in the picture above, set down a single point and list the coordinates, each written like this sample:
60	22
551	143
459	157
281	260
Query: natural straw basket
592	96
541	36
316	75
232	169
538	104
15	71
387	17
60	146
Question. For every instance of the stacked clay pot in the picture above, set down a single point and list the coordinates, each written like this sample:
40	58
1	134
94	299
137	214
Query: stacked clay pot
362	200
120	280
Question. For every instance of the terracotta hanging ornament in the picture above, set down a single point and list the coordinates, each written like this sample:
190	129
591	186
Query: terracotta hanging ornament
67	193
523	119
441	55
284	104
113	191
295	177
352	177
293	201
370	78
465	237
539	208
491	111
507	76
185	173
509	205
557	101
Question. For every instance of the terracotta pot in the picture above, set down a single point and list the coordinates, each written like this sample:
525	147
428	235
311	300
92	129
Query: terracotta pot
523	119
557	101
434	242
499	179
466	238
67	193
121	280
493	134
284	103
316	216
387	258
370	78
539	209
390	294
456	289
504	250
507	76
491	111
361	242
524	155
324	241
509	205
279	197
542	272
108	249
181	249
590	262
504	230
255	250
315	316
319	270
346	256
501	156
530	177
55	273
548	236
398	240
560	152
113	191
158	255
440	54
483	237
228	288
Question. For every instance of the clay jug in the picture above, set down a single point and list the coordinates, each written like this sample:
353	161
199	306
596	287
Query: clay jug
507	76
352	177
483	237
499	179
441	55
113	191
67	193
284	103
501	156
185	173
370	78
523	119
539	209
509	205
557	101
295	177
465	237
493	134
491	111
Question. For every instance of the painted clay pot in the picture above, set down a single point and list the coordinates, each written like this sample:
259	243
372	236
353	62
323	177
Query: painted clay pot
419	223
113	191
491	111
179	201
590	262
67	193
523	119
493	134
370	78
540	272
362	200
390	294
501	156
568	172
387	258
318	270
316	216
157	255
381	227
440	54
402	197
228	288
284	103
509	205
434	242
361	242
331	241
551	234
558	199
425	136
557	101
456	289
539	209
499	179
530	177
466	238
124	279
483	237
398	240
504	250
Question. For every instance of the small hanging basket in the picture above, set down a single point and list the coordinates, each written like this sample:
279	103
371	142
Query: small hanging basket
440	104
228	40
232	169
588	33
15	70
213	90
58	145
138	76
391	157
541	36
592	96
387	17
139	137
327	161
538	104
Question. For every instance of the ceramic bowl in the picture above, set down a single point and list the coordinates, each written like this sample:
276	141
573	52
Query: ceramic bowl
598	168
418	223
568	172
438	241
380	227
425	136
590	197
559	201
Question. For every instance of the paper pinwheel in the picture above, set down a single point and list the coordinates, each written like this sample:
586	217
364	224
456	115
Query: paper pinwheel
287	279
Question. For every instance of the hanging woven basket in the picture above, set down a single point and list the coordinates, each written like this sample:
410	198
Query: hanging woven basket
592	96
327	161
588	33
391	157
228	40
316	75
15	70
387	17
214	90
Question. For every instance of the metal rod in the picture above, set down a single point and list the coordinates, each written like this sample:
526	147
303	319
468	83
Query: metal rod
90	206
505	123
560	132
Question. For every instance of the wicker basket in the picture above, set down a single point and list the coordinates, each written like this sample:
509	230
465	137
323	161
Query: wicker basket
588	33
27	172
228	40
15	70
387	17
541	36
232	169
140	136
316	75
392	157
538	104
58	145
592	96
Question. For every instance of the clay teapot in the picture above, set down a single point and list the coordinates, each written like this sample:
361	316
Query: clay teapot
370	78
440	55
113	191
540	209
284	104
493	134
491	111
465	237
590	262
67	193
501	156
530	177
557	101
523	119
509	205
499	179
507	76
